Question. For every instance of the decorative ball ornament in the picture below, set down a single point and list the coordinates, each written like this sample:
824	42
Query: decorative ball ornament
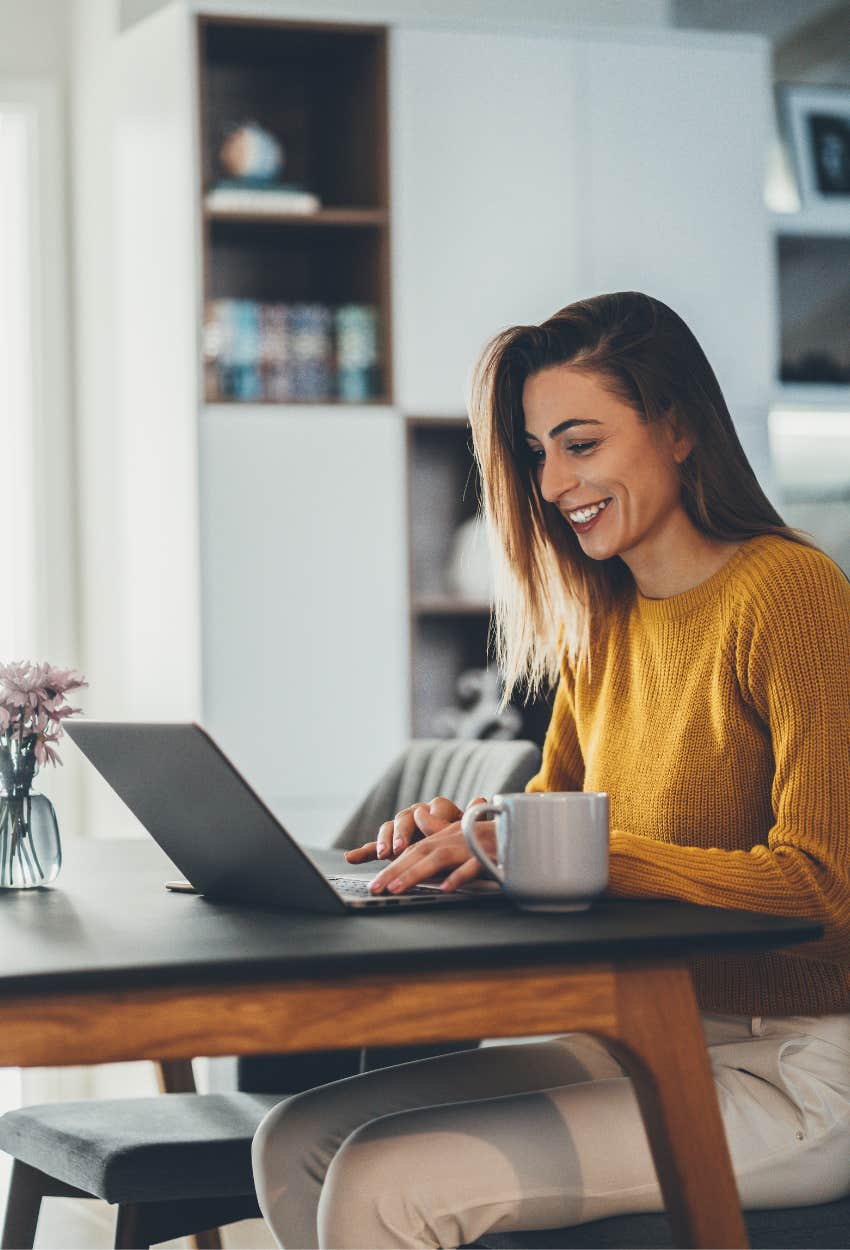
249	151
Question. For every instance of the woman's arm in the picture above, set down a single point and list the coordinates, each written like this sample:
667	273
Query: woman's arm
792	663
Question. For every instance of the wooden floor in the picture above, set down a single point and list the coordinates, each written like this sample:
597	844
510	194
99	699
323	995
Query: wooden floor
69	1223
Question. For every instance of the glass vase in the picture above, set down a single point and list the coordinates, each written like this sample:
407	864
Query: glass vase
30	850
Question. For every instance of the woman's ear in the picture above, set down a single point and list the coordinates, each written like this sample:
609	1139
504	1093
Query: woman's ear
680	441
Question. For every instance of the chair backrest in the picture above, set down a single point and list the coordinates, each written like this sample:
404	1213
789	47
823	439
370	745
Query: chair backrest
459	768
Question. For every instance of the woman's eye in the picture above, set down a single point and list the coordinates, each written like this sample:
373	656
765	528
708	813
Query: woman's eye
536	456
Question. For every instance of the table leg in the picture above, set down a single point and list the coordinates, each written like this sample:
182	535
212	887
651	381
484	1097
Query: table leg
659	1040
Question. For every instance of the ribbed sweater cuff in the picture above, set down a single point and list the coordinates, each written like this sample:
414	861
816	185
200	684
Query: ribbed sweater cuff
752	880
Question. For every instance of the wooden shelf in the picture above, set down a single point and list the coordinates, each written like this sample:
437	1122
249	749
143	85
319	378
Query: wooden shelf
450	422
370	218
436	605
240	405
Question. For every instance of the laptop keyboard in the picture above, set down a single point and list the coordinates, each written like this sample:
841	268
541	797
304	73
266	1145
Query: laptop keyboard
358	887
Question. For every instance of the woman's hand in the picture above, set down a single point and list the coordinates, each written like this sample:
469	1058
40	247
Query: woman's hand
420	820
443	852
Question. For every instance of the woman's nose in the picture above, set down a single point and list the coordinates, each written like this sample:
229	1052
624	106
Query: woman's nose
556	479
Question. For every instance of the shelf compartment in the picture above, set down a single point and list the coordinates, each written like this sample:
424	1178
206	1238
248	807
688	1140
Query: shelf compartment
443	650
321	90
448	633
443	493
302	262
814	307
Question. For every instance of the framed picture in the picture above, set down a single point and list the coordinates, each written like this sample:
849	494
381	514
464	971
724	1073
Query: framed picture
815	121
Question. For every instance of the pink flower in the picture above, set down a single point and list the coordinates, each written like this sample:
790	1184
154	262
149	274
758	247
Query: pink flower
44	753
61	680
33	706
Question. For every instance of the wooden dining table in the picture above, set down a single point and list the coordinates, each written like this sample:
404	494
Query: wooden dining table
105	965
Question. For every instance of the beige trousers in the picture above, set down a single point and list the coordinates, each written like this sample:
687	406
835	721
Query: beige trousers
543	1134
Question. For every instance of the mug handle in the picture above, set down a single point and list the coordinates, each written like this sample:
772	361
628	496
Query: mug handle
467	824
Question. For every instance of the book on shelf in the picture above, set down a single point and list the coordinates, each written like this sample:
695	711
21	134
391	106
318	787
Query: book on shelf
245	195
286	353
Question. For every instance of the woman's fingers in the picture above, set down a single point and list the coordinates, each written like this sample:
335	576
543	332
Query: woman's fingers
427	824
384	840
420	820
362	854
441	853
445	808
471	868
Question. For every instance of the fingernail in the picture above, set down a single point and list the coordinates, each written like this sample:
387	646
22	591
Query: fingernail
398	845
395	886
381	850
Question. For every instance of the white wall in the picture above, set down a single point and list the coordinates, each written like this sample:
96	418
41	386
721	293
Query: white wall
33	36
33	74
93	28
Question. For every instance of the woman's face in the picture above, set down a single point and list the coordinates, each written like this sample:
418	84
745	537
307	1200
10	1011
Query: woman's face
592	455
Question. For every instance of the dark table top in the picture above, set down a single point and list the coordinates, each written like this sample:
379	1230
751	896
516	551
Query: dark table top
108	922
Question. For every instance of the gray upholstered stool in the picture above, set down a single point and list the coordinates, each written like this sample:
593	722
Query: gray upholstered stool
826	1226
167	1162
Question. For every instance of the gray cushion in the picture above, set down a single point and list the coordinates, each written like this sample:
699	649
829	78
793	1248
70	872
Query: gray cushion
460	768
142	1149
826	1226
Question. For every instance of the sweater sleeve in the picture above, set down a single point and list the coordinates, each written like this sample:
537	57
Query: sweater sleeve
792	663
562	767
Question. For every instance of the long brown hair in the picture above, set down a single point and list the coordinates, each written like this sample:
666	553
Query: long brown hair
549	594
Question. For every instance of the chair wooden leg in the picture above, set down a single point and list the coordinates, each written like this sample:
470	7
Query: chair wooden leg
22	1207
210	1239
130	1230
175	1076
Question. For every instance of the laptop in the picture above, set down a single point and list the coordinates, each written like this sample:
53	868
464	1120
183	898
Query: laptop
211	823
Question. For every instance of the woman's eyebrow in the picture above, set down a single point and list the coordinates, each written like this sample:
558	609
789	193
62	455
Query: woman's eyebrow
565	425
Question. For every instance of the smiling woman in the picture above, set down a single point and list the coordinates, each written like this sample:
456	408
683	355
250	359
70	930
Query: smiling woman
701	651
610	398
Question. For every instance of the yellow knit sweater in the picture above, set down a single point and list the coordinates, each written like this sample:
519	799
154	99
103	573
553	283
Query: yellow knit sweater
718	721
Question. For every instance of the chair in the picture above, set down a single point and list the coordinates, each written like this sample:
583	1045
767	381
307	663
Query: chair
825	1226
180	1165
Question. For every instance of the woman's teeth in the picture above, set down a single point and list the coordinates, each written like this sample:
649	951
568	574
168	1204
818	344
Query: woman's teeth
586	514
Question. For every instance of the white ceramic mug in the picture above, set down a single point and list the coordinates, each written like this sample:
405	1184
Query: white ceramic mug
552	848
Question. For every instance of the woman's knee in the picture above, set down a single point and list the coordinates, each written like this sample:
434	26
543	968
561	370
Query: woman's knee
282	1146
370	1196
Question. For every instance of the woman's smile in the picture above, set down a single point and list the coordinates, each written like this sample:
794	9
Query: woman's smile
582	519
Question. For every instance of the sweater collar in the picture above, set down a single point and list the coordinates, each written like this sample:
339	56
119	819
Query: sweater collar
657	611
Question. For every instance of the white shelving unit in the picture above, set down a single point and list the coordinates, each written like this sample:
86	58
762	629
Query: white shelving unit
811	395
810	421
829	222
